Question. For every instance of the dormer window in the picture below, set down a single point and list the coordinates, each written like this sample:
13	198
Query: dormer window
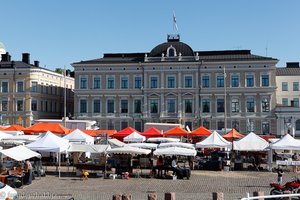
171	51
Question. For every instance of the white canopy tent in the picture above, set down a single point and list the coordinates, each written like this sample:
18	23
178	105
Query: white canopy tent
144	145
176	144
50	143
4	135
163	139
251	142
134	137
214	140
286	142
25	139
178	151
78	136
20	153
129	150
115	143
95	148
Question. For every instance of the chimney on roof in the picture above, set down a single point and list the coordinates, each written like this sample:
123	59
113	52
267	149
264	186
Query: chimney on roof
5	57
26	58
292	65
36	63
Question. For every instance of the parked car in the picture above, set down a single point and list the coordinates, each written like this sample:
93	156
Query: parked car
7	192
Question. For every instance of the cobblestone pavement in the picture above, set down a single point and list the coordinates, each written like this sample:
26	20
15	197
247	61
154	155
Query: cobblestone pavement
201	185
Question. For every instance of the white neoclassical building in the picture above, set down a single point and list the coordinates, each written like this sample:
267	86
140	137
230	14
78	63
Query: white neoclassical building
175	84
288	95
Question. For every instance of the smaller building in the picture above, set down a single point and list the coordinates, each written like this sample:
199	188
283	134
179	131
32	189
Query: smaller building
288	95
30	92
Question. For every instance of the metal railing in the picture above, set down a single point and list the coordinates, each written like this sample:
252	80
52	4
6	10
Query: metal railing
270	196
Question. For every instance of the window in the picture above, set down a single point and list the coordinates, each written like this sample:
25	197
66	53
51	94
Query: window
296	102
171	52
20	86
206	124
97	82
96	106
205	105
124	106
220	80
265	128
250	105
220	105
284	86
34	85
249	80
83	106
138	82
235	105
83	82
236	125
110	82
250	126
153	83
124	82
137	106
188	106
188	81
4	106
4	86
171	82
20	105
295	86
298	125
220	125
110	125
154	106
33	105
285	101
189	124
171	105
110	106
42	106
265	80
138	126
205	81
124	124
265	104
235	81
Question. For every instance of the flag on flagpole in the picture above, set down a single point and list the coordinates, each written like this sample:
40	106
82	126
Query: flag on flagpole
175	27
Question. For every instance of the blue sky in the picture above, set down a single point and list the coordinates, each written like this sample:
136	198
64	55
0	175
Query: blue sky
59	32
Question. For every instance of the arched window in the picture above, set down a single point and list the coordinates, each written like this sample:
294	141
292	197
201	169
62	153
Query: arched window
298	125
171	51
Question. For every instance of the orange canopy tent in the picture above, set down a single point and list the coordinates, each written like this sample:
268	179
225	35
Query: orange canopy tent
233	134
44	127
15	127
1	128
123	133
94	133
177	131
201	131
152	132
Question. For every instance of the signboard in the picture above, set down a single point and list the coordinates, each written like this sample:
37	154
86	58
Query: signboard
101	134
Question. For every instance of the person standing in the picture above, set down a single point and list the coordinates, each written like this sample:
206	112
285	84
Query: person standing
279	175
28	172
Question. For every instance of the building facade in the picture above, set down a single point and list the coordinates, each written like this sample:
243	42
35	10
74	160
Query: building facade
288	95
29	92
175	84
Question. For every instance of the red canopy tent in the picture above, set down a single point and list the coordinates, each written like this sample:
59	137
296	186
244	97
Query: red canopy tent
44	127
1	128
177	131
201	131
152	132
15	127
233	134
123	133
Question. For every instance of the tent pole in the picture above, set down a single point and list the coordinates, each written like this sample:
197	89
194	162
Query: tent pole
59	155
